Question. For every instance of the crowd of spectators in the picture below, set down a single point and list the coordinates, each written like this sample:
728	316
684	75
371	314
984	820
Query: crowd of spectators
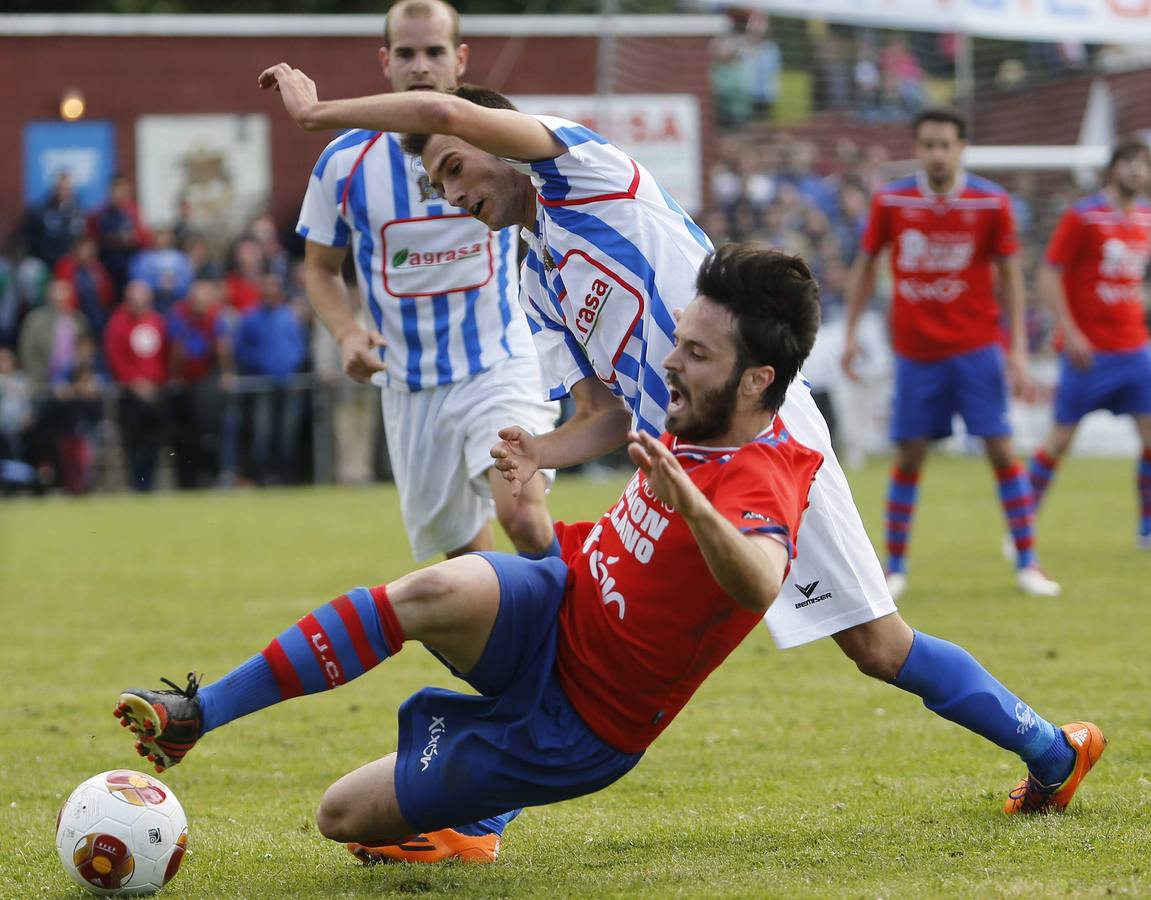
103	318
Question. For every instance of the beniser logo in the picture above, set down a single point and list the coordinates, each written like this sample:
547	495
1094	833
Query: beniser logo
406	258
809	595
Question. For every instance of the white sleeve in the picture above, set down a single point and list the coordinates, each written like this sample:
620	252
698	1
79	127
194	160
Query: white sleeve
321	219
562	360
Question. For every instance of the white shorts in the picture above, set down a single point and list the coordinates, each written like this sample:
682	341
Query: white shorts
836	580
439	442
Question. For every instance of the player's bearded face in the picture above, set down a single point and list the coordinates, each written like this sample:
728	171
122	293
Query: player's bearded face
1131	175
939	150
704	411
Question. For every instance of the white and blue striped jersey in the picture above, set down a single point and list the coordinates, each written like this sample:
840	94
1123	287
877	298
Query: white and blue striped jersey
438	285
610	256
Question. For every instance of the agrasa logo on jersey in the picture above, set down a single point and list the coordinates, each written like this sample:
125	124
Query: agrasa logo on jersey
436	255
601	310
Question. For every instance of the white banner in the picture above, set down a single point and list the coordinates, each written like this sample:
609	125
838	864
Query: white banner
1091	21
217	167
660	131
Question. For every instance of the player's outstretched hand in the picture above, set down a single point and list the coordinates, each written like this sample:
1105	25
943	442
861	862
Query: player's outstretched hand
297	90
1078	348
847	359
668	480
517	455
1017	375
358	353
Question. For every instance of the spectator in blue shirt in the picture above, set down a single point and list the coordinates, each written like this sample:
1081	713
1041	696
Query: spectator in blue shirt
166	267
272	344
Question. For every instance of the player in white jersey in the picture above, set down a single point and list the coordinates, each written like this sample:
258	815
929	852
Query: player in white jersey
448	343
612	251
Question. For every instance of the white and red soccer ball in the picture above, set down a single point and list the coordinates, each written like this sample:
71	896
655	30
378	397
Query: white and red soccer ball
122	833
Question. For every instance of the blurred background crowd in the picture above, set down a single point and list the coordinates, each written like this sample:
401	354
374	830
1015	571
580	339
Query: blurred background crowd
161	344
134	353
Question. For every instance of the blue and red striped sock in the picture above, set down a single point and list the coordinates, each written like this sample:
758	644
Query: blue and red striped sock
1019	508
1145	494
902	493
326	648
1041	470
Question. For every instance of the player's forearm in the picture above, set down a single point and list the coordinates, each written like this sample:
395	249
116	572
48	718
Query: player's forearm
418	112
860	285
1051	293
1014	299
746	568
585	436
329	297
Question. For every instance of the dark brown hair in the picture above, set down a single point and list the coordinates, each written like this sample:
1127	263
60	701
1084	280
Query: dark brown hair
775	303
944	116
473	93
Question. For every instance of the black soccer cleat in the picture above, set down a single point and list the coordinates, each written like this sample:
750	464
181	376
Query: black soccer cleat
167	723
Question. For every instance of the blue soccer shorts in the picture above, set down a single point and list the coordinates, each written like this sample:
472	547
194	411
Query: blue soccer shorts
1119	382
928	395
519	743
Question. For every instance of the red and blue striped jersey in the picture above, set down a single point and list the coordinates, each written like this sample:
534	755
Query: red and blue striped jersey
644	621
1103	252
942	250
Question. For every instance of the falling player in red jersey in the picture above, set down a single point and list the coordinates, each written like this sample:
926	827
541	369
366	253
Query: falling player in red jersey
952	237
1092	277
581	662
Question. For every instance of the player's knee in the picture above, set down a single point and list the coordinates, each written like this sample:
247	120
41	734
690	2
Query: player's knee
873	658
430	584
527	525
334	819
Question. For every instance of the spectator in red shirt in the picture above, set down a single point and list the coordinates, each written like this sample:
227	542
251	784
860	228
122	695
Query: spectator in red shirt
91	284
246	276
135	347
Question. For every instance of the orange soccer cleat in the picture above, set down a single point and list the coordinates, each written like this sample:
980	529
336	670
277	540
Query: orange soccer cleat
432	847
1029	796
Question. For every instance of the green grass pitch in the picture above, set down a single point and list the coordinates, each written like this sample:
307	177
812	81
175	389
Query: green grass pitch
789	774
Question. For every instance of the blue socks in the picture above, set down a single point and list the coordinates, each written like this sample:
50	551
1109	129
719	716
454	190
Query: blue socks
494	825
953	684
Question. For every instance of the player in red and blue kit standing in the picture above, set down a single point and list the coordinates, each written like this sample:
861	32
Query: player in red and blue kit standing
948	230
1092	277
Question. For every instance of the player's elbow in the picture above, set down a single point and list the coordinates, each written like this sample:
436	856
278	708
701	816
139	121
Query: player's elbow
444	114
759	597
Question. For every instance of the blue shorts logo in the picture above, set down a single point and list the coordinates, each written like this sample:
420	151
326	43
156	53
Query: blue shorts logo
435	731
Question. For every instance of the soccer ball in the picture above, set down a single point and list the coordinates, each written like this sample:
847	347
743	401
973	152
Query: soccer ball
121	833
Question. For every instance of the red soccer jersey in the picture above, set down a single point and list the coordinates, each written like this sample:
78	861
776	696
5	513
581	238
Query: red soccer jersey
942	250
1103	252
644	622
